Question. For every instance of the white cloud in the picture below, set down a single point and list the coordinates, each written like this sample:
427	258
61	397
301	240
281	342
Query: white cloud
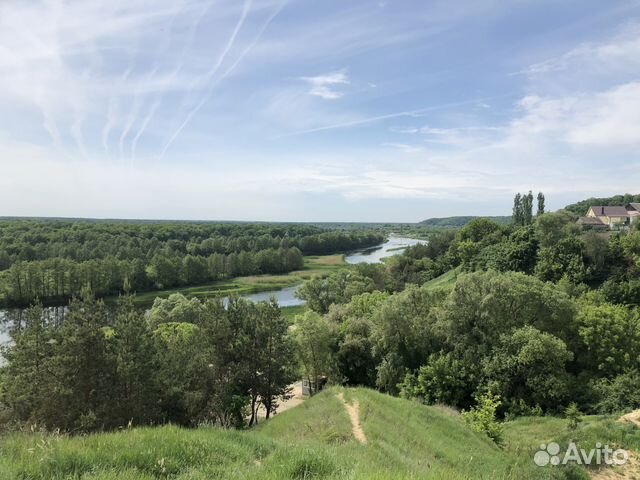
610	118
619	53
323	86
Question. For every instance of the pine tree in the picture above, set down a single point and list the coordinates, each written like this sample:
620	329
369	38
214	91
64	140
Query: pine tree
131	351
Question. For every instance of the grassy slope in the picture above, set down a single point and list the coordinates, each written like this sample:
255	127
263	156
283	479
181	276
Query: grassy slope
523	436
316	265
447	280
314	440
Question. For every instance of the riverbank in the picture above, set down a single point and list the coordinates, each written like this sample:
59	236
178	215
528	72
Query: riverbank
313	266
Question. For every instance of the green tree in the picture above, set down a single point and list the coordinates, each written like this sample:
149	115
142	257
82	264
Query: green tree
530	366
518	211
527	208
443	380
573	415
132	352
275	364
541	205
82	368
315	340
27	371
611	334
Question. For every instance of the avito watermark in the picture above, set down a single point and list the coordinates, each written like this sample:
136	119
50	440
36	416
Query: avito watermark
549	454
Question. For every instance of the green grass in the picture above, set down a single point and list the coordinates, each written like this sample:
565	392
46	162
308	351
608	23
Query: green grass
447	280
524	435
405	440
291	312
313	266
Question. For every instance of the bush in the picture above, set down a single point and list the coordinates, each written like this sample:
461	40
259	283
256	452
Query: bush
618	394
482	417
573	415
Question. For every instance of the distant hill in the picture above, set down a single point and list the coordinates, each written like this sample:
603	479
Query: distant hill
461	221
580	208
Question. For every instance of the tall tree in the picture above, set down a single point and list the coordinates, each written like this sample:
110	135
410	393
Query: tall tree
274	372
527	208
132	353
81	368
540	204
314	337
517	216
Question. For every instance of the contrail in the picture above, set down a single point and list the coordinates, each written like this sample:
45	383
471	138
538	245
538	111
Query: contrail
189	41
224	75
133	114
112	112
253	43
212	71
163	46
143	127
406	113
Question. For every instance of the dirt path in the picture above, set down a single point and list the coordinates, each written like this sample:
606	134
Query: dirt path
629	471
296	399
633	417
353	411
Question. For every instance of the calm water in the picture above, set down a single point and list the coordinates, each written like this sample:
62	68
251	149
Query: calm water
394	246
285	297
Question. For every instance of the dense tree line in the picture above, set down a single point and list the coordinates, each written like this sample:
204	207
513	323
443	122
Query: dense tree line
542	315
580	208
184	361
54	260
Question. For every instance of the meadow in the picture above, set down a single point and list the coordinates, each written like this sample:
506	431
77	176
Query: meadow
405	440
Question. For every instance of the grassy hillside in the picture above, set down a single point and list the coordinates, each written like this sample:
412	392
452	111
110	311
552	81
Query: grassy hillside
447	280
314	440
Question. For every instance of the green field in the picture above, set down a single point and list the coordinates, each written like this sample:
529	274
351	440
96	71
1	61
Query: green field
404	440
313	265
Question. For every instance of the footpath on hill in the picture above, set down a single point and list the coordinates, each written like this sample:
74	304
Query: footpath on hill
353	410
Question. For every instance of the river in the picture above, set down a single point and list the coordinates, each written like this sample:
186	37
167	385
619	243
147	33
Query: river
286	297
393	246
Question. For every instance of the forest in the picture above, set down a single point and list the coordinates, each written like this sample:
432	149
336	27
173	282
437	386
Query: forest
531	318
53	260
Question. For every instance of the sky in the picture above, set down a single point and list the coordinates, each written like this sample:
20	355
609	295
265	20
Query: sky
301	110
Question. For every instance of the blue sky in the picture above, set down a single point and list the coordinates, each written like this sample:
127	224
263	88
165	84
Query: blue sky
300	110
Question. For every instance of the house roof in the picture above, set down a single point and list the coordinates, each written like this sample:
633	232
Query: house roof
590	221
610	211
634	206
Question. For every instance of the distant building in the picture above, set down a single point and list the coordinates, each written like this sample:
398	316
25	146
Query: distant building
633	209
309	386
610	217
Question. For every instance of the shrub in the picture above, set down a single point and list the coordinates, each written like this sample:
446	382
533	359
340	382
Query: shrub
482	417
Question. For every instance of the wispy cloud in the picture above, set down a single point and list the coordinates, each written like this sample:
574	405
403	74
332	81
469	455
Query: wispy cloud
227	72
323	86
619	52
